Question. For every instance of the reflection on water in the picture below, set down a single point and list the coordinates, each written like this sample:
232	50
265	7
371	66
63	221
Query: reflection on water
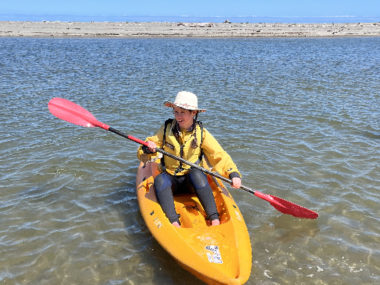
300	117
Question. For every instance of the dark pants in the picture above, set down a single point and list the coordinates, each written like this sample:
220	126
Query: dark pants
166	185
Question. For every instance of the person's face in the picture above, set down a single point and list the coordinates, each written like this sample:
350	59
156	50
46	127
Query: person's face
184	117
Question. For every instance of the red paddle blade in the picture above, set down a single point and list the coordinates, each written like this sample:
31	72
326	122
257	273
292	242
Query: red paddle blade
287	207
73	113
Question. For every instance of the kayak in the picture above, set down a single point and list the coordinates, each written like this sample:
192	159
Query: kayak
215	254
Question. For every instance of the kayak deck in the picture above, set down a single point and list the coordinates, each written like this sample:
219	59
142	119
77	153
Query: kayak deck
215	254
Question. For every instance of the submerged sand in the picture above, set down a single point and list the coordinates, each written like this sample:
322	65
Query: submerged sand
167	29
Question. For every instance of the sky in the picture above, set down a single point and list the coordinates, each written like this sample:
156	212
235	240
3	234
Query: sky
198	8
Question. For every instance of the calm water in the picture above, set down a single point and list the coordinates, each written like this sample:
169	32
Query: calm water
300	117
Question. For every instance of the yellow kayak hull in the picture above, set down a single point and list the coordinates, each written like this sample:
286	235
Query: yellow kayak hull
215	254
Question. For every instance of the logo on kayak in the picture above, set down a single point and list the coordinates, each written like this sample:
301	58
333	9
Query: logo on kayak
213	254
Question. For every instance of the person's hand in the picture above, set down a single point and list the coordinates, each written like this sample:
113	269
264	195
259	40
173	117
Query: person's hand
152	146
236	182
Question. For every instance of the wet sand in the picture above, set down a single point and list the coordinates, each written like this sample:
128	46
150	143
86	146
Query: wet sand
201	30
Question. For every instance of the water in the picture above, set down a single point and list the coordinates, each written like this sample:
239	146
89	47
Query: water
300	117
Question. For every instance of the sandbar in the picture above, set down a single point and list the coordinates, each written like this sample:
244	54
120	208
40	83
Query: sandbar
47	29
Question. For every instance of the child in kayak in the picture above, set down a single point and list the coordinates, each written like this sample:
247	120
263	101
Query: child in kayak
185	137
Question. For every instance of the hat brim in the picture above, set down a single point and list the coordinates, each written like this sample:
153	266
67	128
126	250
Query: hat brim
171	105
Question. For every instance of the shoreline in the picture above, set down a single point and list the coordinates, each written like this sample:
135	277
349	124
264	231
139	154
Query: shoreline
48	29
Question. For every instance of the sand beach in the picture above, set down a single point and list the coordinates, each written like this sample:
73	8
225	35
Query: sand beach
179	29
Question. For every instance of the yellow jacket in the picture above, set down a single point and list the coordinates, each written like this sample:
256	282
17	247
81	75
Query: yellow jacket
190	140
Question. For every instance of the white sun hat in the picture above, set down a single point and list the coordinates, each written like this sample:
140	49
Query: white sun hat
185	100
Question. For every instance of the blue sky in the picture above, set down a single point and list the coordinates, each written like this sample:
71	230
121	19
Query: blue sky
200	8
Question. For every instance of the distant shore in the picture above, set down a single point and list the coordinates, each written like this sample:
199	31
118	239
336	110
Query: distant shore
47	29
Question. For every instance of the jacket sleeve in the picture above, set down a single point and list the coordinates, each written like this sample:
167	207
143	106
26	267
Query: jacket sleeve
157	138
218	157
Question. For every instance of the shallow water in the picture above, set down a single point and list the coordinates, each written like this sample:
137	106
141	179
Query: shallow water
300	117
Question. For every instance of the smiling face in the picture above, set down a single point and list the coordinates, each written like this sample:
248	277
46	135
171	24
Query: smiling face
185	118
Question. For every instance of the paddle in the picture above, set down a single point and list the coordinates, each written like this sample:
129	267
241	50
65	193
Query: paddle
75	114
